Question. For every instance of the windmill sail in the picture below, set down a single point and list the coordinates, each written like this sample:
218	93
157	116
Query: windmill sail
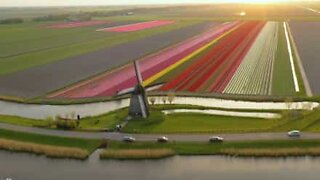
138	73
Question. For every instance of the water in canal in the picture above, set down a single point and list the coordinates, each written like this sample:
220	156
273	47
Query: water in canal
22	166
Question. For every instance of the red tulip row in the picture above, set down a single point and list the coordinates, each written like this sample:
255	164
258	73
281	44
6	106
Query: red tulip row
214	70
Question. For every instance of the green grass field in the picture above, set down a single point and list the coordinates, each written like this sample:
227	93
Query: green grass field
107	121
198	123
213	149
22	121
282	83
98	123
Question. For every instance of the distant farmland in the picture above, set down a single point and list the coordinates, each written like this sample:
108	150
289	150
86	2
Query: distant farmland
187	49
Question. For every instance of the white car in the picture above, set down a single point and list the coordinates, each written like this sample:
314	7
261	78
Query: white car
216	139
128	139
162	139
294	133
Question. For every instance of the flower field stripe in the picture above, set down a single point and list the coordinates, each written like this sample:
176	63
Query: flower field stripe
137	26
262	78
184	77
175	65
254	75
233	45
146	71
221	60
224	78
206	62
122	78
157	63
294	75
148	68
199	67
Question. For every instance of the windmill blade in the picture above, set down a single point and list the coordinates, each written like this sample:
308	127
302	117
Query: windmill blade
125	91
138	73
131	89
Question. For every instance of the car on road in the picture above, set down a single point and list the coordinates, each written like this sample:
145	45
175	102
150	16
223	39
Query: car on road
128	139
294	133
216	139
162	139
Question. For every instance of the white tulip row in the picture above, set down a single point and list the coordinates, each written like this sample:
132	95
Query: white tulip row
254	75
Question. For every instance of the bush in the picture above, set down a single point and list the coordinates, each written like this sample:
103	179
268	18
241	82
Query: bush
12	21
56	17
66	124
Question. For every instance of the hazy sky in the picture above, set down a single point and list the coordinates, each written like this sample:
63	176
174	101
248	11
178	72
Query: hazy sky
114	2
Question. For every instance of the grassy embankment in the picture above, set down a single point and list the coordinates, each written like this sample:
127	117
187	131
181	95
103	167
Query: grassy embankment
279	148
43	52
136	154
51	146
187	122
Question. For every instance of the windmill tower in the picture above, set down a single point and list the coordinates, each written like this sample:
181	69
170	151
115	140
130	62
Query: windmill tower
138	103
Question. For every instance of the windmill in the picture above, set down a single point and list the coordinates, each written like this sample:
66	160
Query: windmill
138	103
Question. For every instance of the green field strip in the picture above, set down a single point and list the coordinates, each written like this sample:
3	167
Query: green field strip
304	85
33	37
282	82
18	63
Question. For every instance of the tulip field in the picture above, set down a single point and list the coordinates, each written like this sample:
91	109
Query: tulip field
113	82
240	52
231	58
212	72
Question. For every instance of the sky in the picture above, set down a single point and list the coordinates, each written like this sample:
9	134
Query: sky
6	3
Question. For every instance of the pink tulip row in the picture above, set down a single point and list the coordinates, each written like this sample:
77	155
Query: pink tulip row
137	26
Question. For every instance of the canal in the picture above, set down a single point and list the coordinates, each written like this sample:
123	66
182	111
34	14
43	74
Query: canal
23	166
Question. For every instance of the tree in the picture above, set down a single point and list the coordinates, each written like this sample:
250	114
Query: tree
152	100
164	100
171	97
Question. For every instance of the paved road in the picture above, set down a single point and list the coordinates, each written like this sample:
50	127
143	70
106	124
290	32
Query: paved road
153	137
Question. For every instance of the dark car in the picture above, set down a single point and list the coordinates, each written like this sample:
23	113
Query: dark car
128	139
216	139
162	139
